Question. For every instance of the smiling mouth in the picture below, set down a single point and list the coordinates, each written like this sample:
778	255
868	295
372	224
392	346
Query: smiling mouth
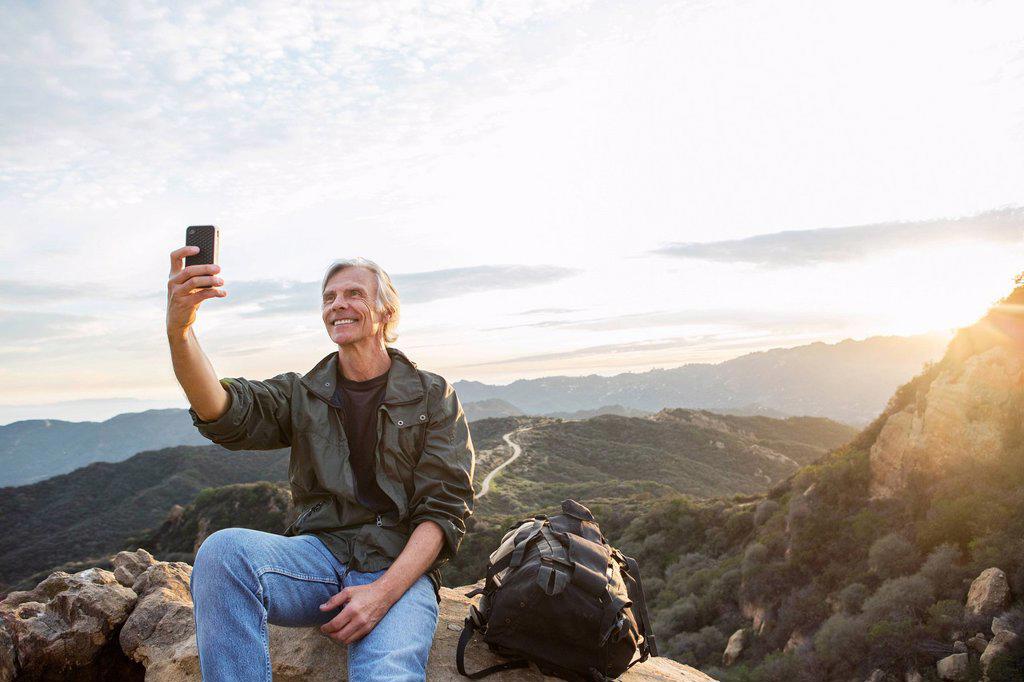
340	323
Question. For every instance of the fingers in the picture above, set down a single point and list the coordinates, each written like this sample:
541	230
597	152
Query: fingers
178	257
203	294
337	600
348	626
193	271
351	632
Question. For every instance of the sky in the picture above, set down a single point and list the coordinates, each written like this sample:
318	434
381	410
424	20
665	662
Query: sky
555	187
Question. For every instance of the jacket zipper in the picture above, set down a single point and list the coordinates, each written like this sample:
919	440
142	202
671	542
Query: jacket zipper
304	515
381	408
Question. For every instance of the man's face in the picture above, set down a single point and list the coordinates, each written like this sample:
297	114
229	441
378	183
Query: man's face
348	306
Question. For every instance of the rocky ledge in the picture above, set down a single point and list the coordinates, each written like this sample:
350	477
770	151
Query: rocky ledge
135	623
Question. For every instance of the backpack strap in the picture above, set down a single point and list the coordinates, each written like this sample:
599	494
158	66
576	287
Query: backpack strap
555	566
636	594
516	557
460	656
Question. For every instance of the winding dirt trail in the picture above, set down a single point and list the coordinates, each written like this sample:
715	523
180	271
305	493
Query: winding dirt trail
517	450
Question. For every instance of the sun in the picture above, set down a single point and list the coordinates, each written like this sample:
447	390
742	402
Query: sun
948	287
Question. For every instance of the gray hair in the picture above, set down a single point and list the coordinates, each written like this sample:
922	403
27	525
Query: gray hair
387	296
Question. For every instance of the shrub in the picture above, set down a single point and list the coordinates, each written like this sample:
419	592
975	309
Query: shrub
899	598
841	644
765	510
801	611
754	559
893	555
943	568
852	597
944	618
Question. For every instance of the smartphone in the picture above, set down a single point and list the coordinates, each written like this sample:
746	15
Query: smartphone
207	238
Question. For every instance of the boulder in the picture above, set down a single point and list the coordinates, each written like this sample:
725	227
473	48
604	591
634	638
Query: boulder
8	659
877	675
129	565
734	647
93	625
913	676
1002	624
66	622
160	632
1000	643
797	642
989	594
977	643
961	417
959	647
760	616
953	667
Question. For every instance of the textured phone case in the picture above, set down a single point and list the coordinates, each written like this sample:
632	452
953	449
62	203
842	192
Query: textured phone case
206	237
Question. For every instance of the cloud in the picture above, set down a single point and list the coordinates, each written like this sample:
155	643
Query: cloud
258	104
25	331
20	291
748	319
548	311
420	287
604	350
840	244
273	298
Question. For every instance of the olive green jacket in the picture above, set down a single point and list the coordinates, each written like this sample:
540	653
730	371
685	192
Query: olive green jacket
424	455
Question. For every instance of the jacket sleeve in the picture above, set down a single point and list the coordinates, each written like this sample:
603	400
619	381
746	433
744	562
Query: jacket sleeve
258	418
443	478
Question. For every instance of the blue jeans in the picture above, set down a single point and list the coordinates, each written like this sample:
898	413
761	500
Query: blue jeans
243	579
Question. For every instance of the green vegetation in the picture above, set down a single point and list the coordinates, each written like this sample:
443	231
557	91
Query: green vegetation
80	519
261	506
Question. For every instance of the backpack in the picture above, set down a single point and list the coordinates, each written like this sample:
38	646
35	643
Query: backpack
559	595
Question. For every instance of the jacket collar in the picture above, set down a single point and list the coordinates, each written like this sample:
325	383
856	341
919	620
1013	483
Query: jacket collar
404	384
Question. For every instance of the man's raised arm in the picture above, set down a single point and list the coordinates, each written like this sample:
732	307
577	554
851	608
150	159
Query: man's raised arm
192	368
236	413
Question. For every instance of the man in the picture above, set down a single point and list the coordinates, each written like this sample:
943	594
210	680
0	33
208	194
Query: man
381	466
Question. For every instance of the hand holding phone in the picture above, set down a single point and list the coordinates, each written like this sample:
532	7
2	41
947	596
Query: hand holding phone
193	282
207	238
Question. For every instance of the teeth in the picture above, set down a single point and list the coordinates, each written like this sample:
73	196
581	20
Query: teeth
348	321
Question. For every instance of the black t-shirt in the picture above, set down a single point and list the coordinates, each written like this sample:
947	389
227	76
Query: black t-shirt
359	402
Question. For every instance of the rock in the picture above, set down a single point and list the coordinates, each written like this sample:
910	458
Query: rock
989	594
760	616
129	565
8	659
961	417
953	667
69	622
1000	643
735	647
1002	624
912	676
66	621
797	642
160	632
977	643
877	675
959	647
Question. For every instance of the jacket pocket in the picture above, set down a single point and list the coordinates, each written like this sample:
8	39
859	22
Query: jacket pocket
404	432
296	524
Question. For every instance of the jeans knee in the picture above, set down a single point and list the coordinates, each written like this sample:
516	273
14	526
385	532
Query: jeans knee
220	550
